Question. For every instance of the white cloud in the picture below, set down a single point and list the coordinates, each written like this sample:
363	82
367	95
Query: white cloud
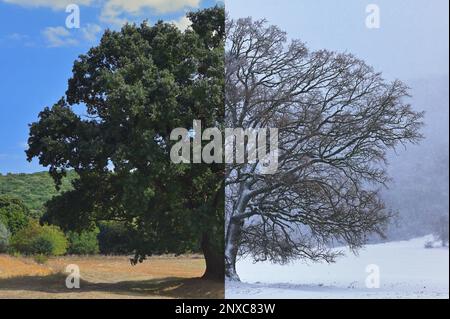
117	12
90	32
58	37
113	10
18	37
54	4
183	23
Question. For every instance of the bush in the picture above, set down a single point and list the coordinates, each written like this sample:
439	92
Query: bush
429	244
37	239
4	238
22	241
13	213
42	246
54	235
40	259
84	243
114	238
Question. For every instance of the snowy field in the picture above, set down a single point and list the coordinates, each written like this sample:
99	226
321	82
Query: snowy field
406	270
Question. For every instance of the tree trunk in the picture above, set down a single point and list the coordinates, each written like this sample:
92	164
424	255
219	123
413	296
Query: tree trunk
231	249
214	259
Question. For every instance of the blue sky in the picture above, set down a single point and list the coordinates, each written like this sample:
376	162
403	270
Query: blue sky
37	51
411	41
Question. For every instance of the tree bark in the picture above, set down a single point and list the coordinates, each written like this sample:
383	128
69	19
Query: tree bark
214	259
231	249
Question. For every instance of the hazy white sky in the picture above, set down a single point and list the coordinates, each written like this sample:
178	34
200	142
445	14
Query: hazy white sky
411	43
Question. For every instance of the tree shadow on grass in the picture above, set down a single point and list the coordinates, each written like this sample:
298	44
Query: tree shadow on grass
170	287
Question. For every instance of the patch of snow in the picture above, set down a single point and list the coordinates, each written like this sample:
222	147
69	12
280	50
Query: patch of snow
406	270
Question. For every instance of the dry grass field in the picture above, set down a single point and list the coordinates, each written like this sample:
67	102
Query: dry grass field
107	277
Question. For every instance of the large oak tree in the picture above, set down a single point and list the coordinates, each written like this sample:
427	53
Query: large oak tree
336	118
135	87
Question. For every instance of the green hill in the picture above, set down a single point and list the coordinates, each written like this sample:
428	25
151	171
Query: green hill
33	189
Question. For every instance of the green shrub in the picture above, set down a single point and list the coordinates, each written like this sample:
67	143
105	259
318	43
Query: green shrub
114	238
15	254
40	259
84	243
4	238
55	235
13	213
42	246
22	241
37	239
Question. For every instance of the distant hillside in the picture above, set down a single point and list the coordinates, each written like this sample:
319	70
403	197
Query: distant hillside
419	190
34	189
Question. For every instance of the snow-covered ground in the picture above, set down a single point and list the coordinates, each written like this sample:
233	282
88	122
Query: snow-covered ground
406	270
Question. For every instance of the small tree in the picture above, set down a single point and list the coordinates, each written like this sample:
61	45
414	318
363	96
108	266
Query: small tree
13	213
